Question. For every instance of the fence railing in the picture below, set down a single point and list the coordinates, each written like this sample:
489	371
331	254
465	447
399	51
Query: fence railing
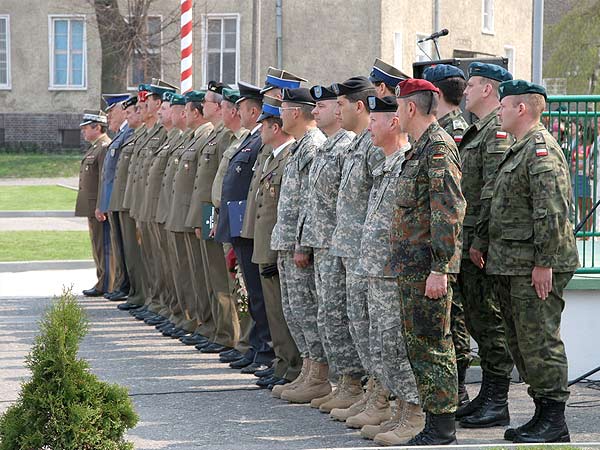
574	120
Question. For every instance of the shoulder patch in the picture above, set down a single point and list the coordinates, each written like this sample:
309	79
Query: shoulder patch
457	124
540	145
501	135
458	138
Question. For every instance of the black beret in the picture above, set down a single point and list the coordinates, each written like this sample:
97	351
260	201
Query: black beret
352	86
322	93
301	96
385	104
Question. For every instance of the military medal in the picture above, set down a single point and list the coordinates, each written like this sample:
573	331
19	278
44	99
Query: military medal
267	185
272	191
238	169
112	152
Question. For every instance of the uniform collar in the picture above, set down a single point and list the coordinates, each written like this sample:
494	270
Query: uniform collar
482	123
279	149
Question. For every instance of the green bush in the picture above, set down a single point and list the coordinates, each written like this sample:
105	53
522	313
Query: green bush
64	406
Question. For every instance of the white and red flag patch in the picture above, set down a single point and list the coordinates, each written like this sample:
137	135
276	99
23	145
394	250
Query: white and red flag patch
501	134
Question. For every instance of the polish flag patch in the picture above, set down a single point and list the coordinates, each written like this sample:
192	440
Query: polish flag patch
541	151
458	139
501	134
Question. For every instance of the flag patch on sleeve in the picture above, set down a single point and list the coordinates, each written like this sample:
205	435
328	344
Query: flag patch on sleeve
501	134
542	151
458	138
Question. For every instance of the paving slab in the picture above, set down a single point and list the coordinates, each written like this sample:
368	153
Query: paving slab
43	224
69	181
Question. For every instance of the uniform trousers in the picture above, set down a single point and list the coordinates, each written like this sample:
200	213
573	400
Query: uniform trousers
533	333
161	254
100	239
332	318
133	256
121	281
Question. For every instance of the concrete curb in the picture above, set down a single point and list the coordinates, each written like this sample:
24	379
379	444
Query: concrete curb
16	214
26	266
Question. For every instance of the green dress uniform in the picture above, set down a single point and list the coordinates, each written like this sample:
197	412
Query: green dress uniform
426	237
529	226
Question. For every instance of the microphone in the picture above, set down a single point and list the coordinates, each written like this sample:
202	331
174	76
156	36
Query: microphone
435	35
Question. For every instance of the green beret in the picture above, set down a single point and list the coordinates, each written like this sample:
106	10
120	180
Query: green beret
194	96
491	71
231	95
518	87
177	99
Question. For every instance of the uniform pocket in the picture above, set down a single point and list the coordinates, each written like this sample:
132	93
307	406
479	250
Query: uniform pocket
424	316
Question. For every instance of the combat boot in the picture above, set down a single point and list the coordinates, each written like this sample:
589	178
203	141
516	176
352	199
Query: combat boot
277	390
550	425
377	410
511	433
357	407
493	410
470	407
440	429
316	385
349	392
317	402
461	370
370	431
410	420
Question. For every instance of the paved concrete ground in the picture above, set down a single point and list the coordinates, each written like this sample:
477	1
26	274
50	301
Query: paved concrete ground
187	400
43	224
70	181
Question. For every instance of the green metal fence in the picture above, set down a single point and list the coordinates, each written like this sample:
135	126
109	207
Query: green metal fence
574	121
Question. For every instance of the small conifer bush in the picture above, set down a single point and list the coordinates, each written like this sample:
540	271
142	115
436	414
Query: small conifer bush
64	406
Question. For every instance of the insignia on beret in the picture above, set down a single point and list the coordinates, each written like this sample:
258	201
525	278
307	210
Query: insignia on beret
372	103
335	88
318	91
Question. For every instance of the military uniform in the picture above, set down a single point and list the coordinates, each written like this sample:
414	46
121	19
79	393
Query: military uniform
388	350
425	237
86	204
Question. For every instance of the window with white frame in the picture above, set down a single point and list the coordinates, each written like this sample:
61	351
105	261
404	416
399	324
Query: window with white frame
423	50
67	52
4	52
509	53
222	44
488	16
146	62
398	49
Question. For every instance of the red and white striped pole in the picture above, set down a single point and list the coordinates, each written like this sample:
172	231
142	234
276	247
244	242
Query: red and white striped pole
186	46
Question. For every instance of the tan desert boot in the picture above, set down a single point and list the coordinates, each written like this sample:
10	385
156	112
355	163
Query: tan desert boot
316	385
277	390
317	402
412	421
349	392
357	407
378	409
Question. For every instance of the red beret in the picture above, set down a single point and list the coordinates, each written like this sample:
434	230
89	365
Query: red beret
413	85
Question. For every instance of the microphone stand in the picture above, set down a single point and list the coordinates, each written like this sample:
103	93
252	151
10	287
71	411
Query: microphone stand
437	50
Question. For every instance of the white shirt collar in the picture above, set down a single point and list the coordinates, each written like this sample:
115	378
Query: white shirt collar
123	125
279	149
256	128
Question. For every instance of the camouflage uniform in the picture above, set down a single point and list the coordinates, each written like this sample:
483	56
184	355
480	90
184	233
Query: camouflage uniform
330	281
481	150
529	226
300	302
357	178
455	125
426	237
388	350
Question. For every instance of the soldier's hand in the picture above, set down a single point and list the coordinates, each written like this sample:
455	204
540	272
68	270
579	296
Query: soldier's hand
99	216
541	280
436	285
302	260
476	257
212	232
198	233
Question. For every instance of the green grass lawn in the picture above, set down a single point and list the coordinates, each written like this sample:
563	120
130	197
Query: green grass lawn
36	198
33	165
44	245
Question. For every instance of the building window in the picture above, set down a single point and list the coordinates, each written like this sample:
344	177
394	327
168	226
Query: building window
67	53
4	52
146	61
488	16
222	48
423	50
398	49
509	53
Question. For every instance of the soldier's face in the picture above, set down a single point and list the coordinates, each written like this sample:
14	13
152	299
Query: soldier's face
212	107
473	93
178	116
347	112
229	112
325	113
164	114
508	114
134	118
380	127
403	114
153	104
267	132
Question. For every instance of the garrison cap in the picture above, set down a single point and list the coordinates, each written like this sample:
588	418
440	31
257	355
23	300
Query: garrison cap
298	95
440	72
386	73
352	86
270	108
248	91
112	100
385	104
518	87
279	78
194	96
176	99
130	102
414	85
159	87
231	95
217	87
93	116
322	93
491	71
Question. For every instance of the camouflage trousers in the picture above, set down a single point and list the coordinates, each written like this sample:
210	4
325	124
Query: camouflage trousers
484	319
388	351
429	343
458	328
332	318
301	306
533	333
357	304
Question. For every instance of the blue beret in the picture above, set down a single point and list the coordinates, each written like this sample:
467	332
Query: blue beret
440	72
491	71
385	104
518	87
322	93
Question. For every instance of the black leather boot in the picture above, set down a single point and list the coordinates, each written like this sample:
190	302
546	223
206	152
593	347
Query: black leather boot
461	370
493	410
440	429
511	433
471	407
550	425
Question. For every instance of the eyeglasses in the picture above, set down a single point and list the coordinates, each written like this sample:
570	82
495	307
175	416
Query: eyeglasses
281	108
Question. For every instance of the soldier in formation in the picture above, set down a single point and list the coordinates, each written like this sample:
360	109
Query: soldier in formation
343	242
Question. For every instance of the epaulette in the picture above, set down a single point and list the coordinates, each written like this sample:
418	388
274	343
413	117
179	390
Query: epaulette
540	145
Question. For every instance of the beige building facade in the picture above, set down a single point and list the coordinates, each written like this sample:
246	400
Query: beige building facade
50	53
